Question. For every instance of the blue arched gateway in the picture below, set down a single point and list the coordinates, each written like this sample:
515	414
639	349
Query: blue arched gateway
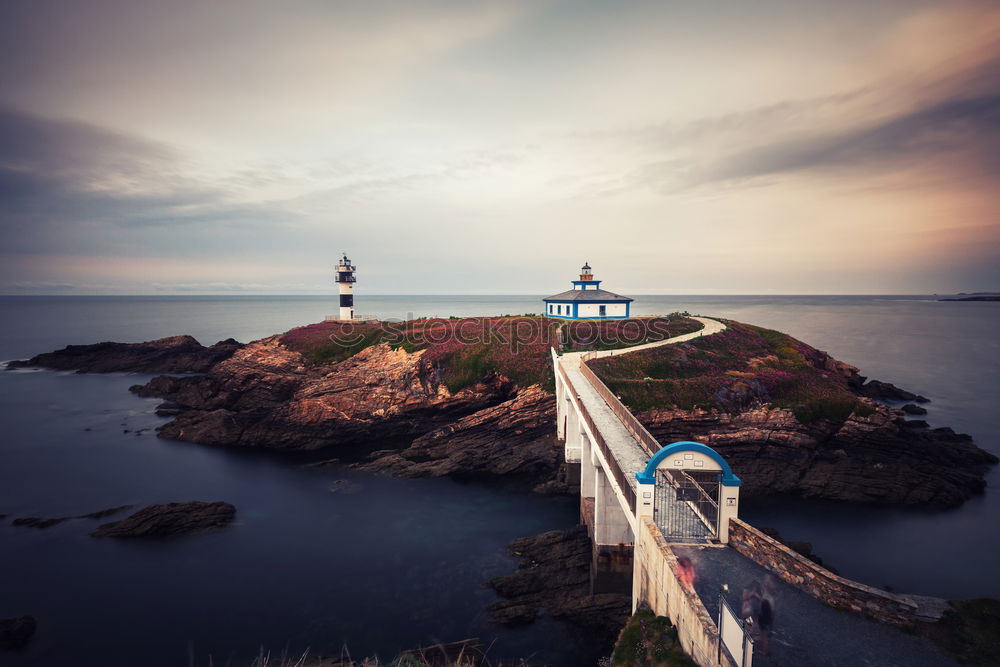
693	491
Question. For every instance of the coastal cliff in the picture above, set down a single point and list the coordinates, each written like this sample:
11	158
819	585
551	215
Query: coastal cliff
268	396
875	458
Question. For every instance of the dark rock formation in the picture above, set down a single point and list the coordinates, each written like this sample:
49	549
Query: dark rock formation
169	409
886	391
267	396
176	354
169	520
554	576
16	632
39	522
878	458
912	409
101	514
513	439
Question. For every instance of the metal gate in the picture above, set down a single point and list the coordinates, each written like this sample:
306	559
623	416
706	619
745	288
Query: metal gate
686	505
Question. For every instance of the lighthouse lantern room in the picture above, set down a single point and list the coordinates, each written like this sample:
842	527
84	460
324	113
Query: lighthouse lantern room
345	280
587	301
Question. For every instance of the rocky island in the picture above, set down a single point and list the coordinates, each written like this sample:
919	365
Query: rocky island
472	398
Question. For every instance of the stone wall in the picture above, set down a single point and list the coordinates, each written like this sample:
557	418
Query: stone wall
656	583
819	582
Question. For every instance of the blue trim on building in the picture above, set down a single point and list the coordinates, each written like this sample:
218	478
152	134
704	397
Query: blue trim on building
595	283
648	476
573	301
573	309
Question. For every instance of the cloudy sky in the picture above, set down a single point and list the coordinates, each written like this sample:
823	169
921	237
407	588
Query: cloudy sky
774	146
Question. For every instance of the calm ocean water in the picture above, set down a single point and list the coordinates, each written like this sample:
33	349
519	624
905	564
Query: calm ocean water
395	563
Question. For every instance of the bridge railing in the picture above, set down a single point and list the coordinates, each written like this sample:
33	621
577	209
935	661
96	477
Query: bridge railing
632	425
624	483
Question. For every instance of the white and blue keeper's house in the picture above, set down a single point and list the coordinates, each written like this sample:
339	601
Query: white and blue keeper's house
587	301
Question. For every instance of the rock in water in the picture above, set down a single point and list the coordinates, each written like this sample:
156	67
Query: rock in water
169	520
37	522
554	575
175	354
16	632
886	391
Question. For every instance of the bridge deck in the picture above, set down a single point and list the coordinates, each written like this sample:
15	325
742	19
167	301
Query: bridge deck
629	454
806	632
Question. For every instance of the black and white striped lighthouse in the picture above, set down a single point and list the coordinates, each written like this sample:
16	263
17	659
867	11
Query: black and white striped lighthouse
345	279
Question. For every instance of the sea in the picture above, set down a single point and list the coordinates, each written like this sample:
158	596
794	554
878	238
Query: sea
339	562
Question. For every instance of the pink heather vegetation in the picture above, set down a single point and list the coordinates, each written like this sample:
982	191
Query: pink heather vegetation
465	350
461	350
614	334
731	371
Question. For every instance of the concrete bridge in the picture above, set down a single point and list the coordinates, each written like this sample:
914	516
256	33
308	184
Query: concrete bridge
664	523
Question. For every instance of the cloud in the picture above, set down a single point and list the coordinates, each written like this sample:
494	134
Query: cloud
966	127
67	186
233	143
55	171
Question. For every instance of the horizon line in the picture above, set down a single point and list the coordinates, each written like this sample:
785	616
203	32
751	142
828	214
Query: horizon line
476	294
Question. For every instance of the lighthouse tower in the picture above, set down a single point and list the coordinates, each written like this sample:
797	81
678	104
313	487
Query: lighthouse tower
587	301
345	280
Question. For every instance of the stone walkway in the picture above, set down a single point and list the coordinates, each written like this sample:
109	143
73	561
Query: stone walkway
806	631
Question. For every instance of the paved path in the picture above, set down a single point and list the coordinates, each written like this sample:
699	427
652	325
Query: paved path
806	631
629	453
710	327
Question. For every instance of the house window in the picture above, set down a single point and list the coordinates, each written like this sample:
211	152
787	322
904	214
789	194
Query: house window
602	310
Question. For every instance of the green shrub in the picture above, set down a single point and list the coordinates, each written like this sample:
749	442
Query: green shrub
648	640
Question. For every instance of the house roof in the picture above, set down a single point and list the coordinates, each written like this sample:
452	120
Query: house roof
587	295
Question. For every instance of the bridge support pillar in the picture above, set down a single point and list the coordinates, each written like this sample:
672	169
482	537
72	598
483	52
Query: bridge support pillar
572	434
611	568
611	526
587	481
562	408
